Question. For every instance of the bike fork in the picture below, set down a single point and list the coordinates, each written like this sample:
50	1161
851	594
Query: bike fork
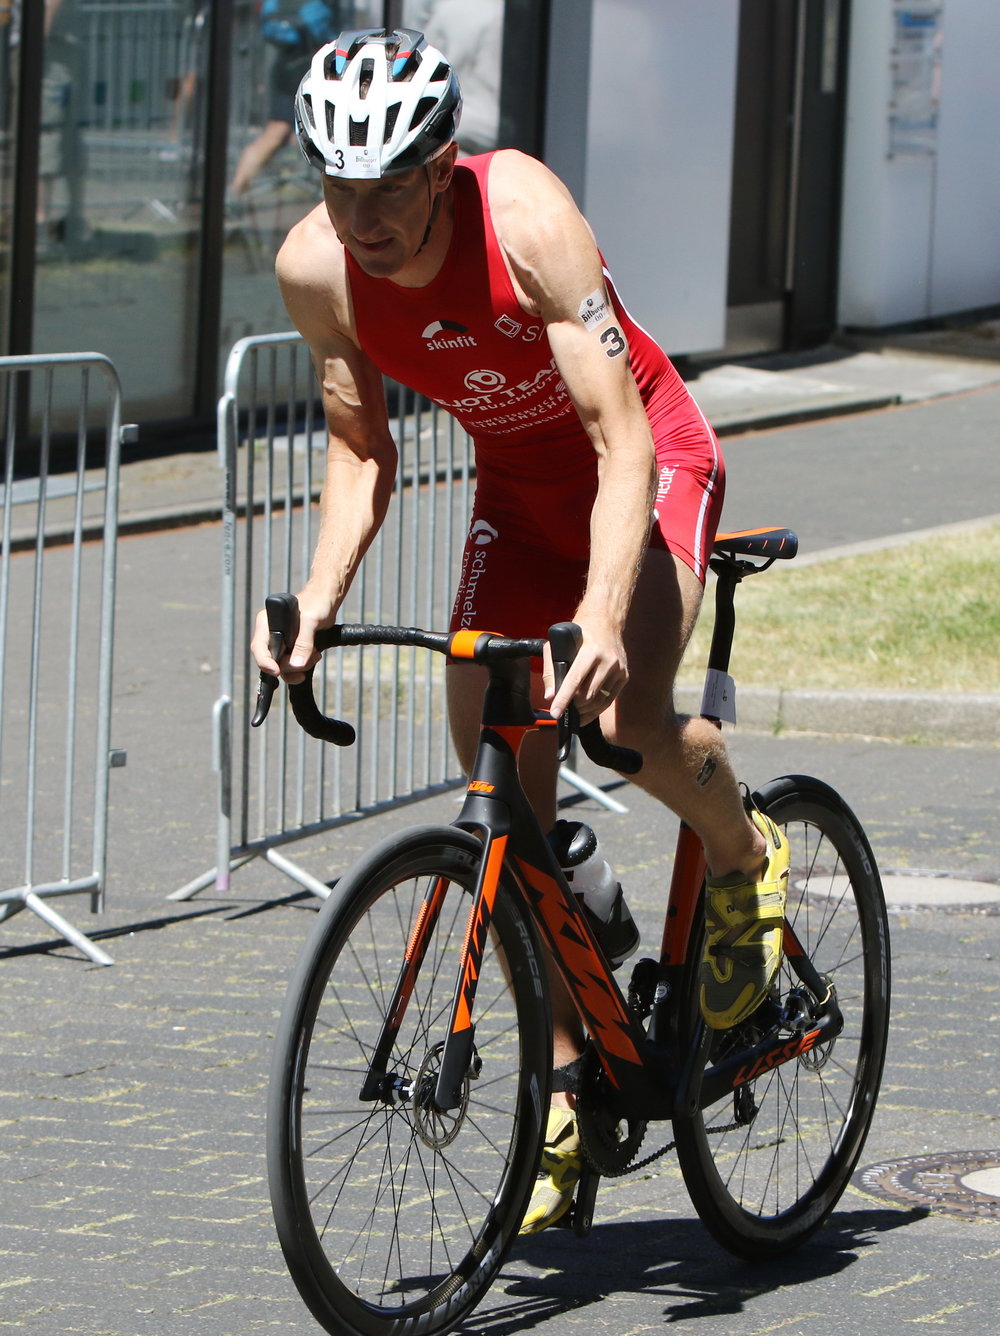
458	1058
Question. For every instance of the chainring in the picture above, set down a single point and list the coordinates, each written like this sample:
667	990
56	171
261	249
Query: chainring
609	1143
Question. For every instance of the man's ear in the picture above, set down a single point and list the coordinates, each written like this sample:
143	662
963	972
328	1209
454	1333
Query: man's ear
443	168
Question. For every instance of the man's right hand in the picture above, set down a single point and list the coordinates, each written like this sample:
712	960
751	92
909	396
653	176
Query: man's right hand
296	662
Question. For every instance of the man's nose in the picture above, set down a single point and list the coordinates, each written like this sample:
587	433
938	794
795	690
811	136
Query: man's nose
366	221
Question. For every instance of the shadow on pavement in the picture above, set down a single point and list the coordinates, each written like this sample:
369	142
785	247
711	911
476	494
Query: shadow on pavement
699	1279
57	946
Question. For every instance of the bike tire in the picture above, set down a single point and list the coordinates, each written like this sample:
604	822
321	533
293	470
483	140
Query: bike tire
389	1216
766	1185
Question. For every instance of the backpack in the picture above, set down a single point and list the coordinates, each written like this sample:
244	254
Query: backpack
298	23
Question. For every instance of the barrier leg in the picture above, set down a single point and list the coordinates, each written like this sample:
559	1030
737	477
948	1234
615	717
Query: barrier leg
65	929
591	790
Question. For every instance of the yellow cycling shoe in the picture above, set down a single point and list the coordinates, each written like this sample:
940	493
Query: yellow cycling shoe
744	921
558	1174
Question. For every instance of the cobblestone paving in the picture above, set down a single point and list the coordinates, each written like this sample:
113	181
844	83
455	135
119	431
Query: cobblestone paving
132	1107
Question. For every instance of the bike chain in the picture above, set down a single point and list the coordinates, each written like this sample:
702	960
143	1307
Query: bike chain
656	1155
585	1083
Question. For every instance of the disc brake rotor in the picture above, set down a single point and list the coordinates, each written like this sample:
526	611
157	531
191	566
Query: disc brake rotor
436	1128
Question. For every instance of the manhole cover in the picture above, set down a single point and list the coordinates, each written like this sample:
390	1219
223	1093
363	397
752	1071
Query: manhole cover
913	889
965	1182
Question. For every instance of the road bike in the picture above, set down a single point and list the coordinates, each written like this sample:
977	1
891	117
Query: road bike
413	1060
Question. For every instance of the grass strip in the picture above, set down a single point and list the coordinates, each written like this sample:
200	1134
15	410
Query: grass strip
924	617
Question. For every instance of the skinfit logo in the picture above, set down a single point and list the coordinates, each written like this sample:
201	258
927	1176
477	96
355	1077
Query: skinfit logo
443	334
482	533
484	382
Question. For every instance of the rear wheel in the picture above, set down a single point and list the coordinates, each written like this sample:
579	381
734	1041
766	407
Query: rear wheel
765	1166
389	1210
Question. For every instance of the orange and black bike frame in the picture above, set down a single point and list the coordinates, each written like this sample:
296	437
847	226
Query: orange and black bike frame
651	1073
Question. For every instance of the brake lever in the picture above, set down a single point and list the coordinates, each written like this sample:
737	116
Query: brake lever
565	639
283	626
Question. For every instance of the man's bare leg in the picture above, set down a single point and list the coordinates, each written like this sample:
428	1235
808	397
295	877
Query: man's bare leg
685	764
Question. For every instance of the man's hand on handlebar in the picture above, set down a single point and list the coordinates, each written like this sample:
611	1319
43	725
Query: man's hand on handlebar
596	676
291	652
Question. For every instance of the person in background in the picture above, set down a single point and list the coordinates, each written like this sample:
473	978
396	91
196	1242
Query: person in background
471	31
62	150
293	29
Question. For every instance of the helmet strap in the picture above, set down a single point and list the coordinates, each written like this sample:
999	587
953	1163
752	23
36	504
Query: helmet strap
435	210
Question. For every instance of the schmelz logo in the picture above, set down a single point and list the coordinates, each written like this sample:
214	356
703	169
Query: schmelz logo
483	533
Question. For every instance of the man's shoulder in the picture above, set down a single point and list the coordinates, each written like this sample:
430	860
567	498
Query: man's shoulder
509	169
522	188
312	276
529	204
311	247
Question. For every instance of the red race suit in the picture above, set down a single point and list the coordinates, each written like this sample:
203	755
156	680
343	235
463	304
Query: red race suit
465	343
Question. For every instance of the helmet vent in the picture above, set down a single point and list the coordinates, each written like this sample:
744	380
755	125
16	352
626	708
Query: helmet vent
365	77
391	116
359	133
441	74
423	109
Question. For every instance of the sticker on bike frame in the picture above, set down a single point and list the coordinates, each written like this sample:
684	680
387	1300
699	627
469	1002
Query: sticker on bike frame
594	309
718	700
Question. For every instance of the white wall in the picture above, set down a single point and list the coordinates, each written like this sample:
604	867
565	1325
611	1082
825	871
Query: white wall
644	140
921	232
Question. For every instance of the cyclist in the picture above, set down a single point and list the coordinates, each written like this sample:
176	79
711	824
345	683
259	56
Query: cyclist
599	483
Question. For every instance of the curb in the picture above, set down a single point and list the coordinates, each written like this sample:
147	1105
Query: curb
808	410
898	716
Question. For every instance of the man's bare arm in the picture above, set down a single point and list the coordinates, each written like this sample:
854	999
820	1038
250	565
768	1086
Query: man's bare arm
361	454
555	261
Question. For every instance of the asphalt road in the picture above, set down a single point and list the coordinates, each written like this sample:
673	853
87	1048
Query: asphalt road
851	479
132	1098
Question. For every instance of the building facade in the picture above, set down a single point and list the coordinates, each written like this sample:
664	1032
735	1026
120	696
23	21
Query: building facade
757	172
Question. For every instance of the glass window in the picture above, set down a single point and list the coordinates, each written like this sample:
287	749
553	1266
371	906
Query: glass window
270	186
9	43
119	208
470	34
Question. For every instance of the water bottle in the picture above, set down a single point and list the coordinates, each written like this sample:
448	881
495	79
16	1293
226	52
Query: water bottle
592	880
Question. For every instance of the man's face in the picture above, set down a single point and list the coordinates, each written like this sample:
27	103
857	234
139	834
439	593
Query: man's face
382	223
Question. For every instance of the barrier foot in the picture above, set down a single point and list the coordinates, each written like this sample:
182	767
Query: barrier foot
193	887
210	878
72	935
298	874
591	790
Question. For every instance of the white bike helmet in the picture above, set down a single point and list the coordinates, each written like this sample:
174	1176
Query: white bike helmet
374	102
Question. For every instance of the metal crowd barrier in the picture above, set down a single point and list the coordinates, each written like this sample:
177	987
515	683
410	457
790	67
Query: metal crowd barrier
57	606
276	785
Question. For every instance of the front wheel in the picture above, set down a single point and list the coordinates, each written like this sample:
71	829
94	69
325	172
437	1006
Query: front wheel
765	1166
392	1214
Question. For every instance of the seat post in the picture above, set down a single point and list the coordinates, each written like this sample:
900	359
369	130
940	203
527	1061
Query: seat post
729	576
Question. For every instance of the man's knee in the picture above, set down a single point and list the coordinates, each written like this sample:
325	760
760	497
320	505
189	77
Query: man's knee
643	725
